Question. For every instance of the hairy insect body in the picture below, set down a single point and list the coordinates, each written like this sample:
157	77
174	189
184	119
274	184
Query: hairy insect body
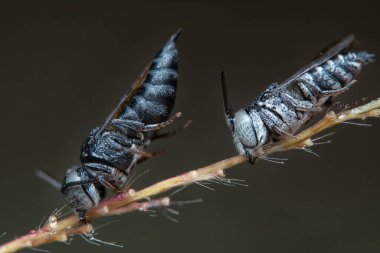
281	110
110	152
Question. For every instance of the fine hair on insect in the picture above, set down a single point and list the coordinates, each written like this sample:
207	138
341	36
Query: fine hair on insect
111	151
283	108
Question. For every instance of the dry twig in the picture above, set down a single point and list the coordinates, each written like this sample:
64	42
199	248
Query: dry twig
61	230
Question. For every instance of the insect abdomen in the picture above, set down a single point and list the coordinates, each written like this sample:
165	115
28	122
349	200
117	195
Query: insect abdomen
155	99
318	85
334	74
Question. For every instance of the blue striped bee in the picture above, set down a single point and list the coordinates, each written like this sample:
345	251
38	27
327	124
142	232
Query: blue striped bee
111	151
283	108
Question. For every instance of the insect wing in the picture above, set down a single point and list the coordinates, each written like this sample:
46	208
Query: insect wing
353	45
327	54
126	99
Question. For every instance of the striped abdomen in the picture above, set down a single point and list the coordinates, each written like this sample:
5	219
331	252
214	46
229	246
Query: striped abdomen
152	104
155	99
319	84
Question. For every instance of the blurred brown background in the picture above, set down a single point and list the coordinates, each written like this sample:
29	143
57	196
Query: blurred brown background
65	64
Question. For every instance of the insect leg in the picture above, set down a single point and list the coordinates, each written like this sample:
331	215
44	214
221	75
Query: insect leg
171	133
108	185
279	131
135	151
130	146
131	127
300	105
274	122
158	126
251	157
329	93
304	90
152	154
317	91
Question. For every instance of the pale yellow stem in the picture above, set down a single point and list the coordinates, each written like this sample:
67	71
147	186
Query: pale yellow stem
126	202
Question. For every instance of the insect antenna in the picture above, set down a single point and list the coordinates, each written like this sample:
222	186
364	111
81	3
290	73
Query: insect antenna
227	108
48	178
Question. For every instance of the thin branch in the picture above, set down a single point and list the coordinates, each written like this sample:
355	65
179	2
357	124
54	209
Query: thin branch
62	229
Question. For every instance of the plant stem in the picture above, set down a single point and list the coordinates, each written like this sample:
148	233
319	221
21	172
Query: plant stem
61	230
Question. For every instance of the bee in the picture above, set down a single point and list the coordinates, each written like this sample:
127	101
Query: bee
283	108
111	151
